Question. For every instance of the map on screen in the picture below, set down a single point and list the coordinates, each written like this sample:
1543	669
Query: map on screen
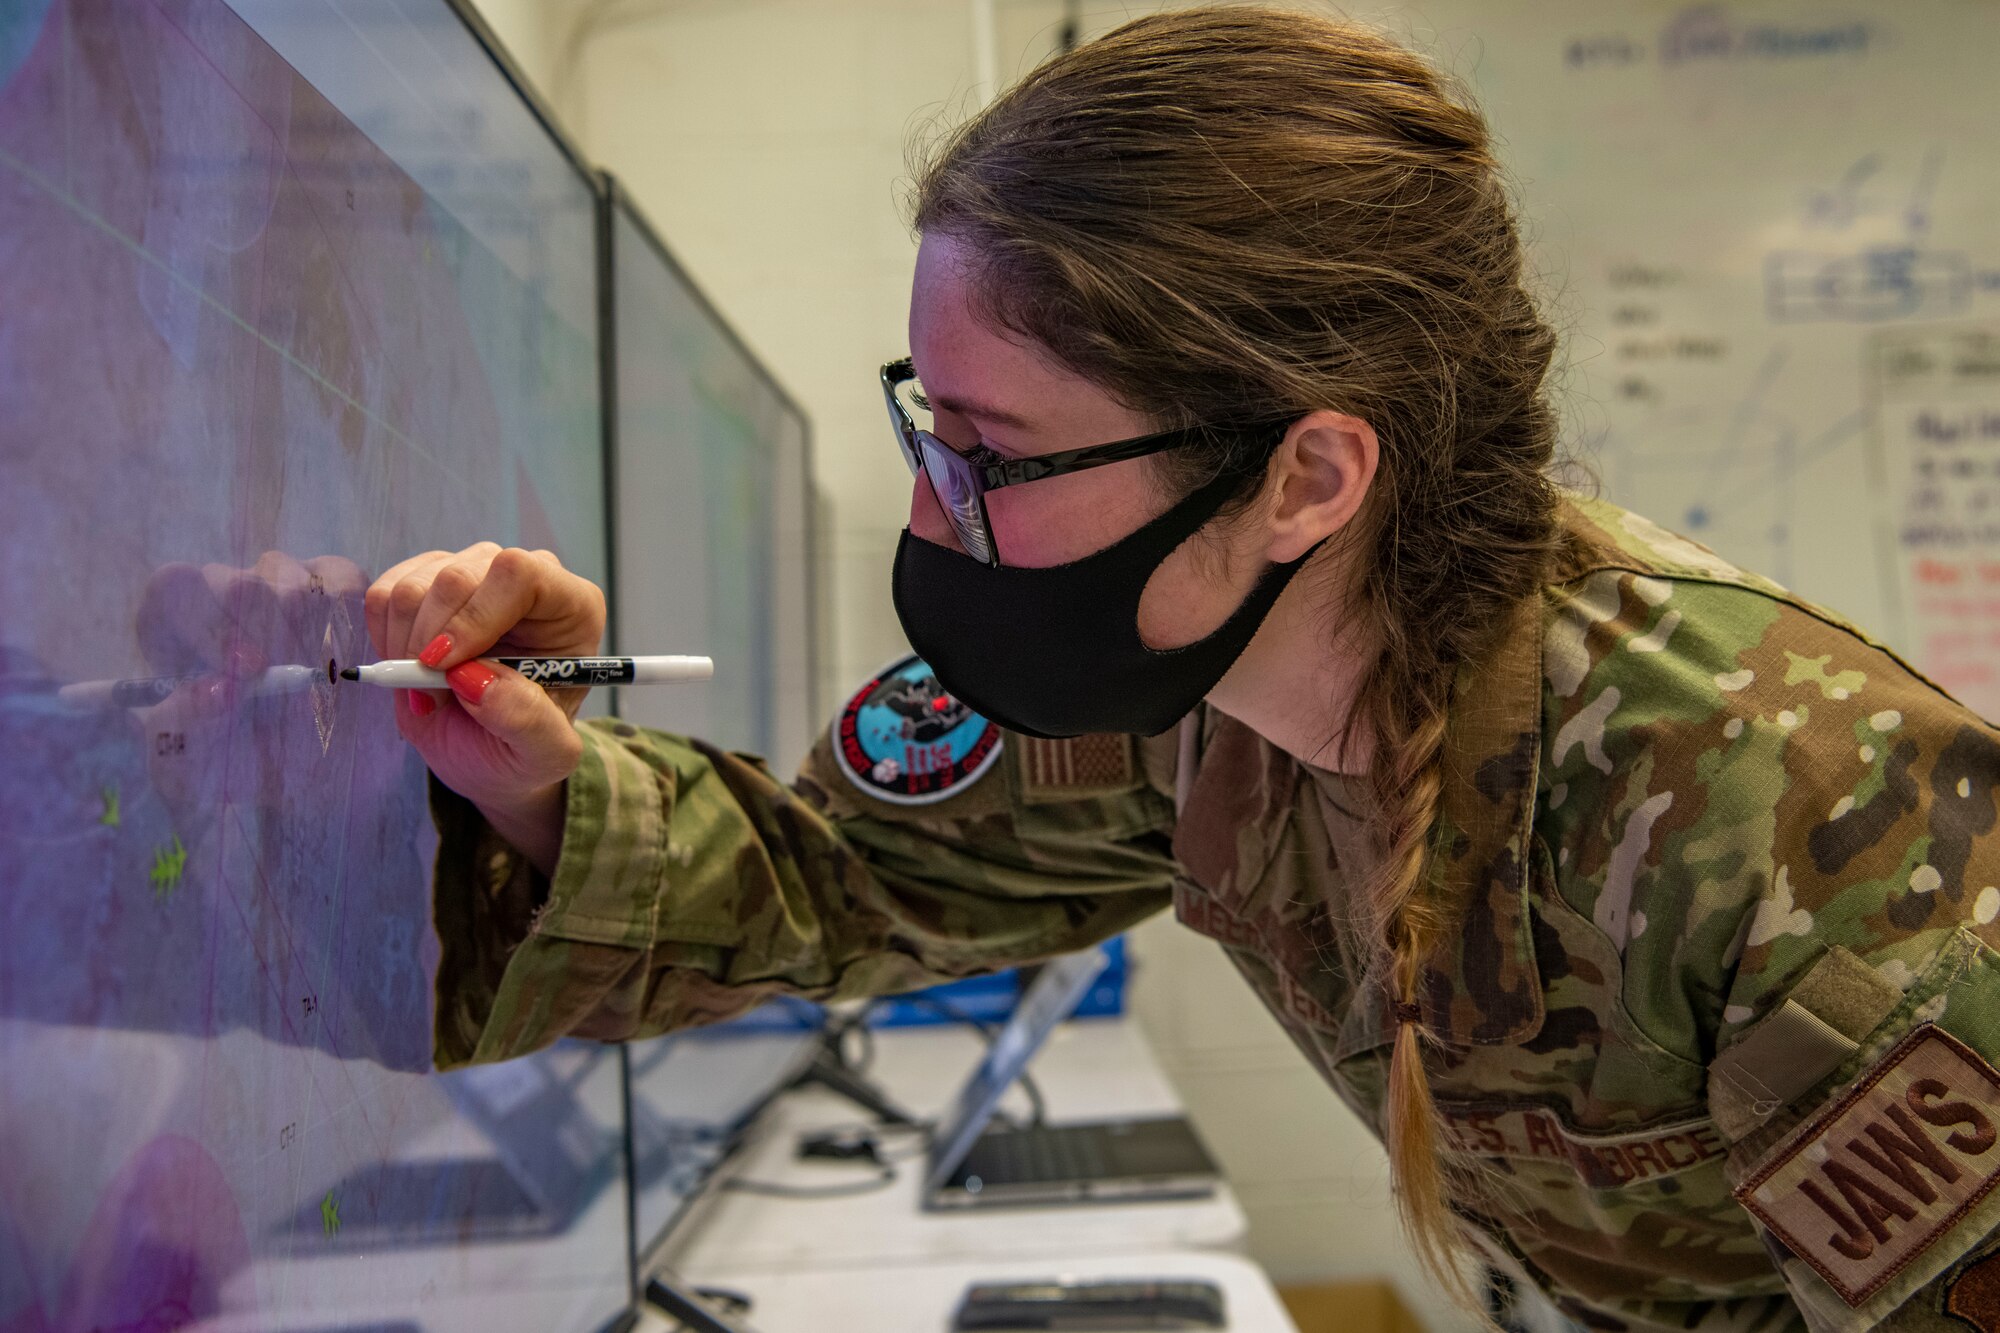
287	294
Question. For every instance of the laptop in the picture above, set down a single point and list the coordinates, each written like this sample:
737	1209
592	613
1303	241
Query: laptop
532	1157
975	1164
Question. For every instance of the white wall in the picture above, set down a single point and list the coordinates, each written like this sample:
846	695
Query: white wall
767	141
531	30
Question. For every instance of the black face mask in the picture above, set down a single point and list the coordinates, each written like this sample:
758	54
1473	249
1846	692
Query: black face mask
1056	652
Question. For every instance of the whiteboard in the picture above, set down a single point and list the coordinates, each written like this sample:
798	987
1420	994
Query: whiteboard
1780	260
1768	232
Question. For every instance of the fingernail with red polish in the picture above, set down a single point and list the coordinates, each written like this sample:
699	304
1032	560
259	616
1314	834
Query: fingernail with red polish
469	680
421	704
435	651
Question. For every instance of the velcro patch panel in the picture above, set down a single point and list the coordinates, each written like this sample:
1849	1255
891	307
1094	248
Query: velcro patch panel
1874	1180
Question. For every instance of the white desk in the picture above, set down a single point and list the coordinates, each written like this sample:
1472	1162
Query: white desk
1089	1069
872	1263
919	1298
877	1263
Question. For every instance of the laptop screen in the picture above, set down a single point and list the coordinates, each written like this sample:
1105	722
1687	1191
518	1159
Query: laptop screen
1056	992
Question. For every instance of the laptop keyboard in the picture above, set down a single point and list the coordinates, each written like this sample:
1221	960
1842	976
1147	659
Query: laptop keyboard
1047	1153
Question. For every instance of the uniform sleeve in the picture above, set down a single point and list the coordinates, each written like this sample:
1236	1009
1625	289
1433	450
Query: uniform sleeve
1854	1074
1790	837
693	886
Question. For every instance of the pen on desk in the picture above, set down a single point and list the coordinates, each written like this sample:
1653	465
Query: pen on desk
409	674
145	691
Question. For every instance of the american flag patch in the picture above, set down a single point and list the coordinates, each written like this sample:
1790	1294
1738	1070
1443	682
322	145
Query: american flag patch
1078	766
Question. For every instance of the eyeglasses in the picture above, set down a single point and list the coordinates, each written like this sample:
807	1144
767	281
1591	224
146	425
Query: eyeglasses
960	483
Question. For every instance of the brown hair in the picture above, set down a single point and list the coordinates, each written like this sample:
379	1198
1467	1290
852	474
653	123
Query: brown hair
1238	213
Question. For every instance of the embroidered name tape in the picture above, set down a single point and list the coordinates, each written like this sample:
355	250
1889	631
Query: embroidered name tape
1875	1179
903	739
1203	915
1601	1160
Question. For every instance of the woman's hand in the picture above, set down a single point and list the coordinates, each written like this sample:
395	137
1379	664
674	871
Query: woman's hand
503	743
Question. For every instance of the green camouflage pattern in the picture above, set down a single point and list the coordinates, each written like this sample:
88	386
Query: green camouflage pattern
1671	789
693	886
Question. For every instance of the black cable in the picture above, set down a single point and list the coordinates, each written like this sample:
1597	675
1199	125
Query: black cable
884	1177
836	1038
689	1309
730	1300
812	1139
868	1149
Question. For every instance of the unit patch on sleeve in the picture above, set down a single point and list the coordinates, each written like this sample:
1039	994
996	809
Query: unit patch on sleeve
1974	1294
1882	1174
903	739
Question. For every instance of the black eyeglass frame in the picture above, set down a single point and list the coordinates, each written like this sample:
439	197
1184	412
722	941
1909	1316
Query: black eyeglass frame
1014	471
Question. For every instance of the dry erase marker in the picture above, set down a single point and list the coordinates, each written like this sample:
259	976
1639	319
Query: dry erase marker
409	674
146	691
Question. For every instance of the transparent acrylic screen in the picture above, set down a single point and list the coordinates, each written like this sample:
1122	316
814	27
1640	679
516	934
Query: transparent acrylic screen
288	292
712	488
713	497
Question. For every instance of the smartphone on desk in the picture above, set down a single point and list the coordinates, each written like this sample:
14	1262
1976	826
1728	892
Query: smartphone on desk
1099	1305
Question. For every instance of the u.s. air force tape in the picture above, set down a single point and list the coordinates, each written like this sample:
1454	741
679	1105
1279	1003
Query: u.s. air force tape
902	738
1874	1180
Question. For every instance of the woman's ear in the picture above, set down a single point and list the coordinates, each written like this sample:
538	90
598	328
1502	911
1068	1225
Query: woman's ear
1320	474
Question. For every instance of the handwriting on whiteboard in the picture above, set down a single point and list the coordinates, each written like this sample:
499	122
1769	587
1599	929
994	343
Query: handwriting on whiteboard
1938	432
1709	34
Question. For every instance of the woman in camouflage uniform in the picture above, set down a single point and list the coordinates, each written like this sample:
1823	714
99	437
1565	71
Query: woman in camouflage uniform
1646	911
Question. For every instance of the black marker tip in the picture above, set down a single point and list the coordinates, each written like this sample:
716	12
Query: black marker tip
348	673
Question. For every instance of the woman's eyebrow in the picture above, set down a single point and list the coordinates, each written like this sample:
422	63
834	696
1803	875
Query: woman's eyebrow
965	407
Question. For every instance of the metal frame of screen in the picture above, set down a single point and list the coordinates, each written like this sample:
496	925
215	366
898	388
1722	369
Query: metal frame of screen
625	1315
649	1253
475	23
607	351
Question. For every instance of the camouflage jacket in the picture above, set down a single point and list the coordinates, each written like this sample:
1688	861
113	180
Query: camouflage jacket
1716	1028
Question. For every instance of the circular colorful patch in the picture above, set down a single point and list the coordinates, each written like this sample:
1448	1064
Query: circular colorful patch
901	738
